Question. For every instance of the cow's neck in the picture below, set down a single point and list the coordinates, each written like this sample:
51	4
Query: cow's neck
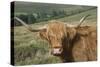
67	49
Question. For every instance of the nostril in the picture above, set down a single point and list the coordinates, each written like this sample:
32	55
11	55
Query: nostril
60	50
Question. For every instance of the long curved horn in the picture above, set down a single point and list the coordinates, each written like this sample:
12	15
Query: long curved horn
27	26
82	19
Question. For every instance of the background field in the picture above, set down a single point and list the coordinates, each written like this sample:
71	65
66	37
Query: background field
29	47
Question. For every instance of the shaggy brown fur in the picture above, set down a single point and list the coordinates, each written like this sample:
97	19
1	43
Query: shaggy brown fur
77	44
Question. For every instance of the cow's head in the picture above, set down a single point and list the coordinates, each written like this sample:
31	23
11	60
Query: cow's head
56	33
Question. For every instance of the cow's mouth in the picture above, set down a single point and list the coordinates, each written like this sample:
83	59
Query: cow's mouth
56	54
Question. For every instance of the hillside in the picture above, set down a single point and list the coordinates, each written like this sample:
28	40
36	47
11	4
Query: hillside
32	12
74	19
29	7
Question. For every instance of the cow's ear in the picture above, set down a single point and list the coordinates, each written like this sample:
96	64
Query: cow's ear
43	34
71	32
82	30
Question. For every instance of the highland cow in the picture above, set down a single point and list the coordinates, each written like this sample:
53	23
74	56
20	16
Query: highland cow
70	43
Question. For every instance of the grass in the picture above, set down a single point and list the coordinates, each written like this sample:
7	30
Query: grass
74	19
31	49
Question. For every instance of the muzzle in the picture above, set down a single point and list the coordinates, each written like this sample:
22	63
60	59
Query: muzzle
56	51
